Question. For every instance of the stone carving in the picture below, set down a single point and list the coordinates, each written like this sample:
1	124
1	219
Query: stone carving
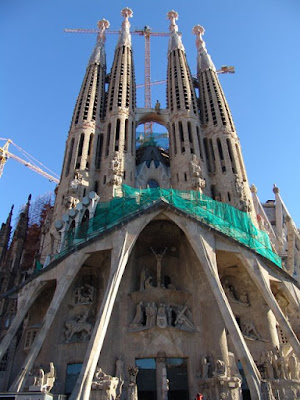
221	369
158	257
70	202
146	280
276	366
149	315
105	384
161	320
120	374
294	367
233	296
78	326
132	386
198	181
267	362
43	382
157	107
76	182
204	367
249	331
116	170
266	390
85	294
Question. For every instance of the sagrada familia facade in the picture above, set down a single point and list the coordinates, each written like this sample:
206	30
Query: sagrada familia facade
157	274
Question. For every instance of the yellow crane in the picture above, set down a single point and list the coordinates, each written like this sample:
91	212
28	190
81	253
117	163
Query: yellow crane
5	155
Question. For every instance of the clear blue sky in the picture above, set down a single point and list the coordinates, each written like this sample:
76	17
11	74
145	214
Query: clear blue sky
42	69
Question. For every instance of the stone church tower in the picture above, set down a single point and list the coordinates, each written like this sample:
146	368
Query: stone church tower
158	273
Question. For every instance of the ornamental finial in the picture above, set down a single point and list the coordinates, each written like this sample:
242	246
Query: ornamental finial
102	25
127	13
125	37
198	30
173	16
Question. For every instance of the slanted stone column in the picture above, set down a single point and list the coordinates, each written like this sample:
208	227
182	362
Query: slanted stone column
203	244
23	307
73	265
258	274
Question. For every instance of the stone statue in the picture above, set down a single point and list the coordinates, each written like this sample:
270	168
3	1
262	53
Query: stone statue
151	313
293	366
139	316
267	361
221	369
43	382
80	326
182	321
157	106
162	316
84	294
198	181
132	386
76	182
106	384
204	367
249	331
120	373
158	265
116	170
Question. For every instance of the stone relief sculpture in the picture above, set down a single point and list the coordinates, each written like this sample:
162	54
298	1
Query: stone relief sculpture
146	280
198	181
163	315
85	294
204	367
159	258
105	384
233	296
132	386
221	369
43	382
276	366
249	331
116	170
120	374
76	182
78	326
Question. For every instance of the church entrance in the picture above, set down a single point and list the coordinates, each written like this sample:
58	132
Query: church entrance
162	379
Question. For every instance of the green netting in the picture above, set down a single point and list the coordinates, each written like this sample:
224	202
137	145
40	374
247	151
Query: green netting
220	216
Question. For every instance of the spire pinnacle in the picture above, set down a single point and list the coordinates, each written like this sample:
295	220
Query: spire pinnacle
98	55
175	40
204	59
125	37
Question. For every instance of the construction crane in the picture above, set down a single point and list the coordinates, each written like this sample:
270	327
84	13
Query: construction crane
5	155
225	69
146	32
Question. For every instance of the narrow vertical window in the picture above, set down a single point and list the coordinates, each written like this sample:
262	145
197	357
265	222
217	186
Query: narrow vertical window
230	152
108	139
80	147
199	142
181	137
126	135
241	162
132	138
98	151
221	155
190	136
117	135
70	157
174	138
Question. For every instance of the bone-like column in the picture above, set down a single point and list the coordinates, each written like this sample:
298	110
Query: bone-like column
123	244
62	287
257	273
203	245
32	294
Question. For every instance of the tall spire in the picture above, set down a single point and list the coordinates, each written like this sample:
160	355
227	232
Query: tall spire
204	59
175	40
125	37
98	56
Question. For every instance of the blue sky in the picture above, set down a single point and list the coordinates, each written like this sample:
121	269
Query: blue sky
42	69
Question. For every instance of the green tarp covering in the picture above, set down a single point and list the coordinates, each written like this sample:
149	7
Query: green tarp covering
220	216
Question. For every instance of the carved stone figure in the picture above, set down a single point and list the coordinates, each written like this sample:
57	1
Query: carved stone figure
293	367
267	362
281	365
182	321
139	316
204	367
157	106
120	373
133	371
106	384
70	202
85	294
80	326
158	265
249	330
221	369
198	181
76	182
151	313
43	382
116	170
162	316
266	390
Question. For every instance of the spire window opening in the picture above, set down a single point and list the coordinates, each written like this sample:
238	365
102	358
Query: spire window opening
213	191
98	151
174	139
69	157
108	139
79	153
229	196
241	162
212	153
199	142
185	177
132	138
221	155
190	137
117	135
230	152
104	179
96	186
181	136
126	135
